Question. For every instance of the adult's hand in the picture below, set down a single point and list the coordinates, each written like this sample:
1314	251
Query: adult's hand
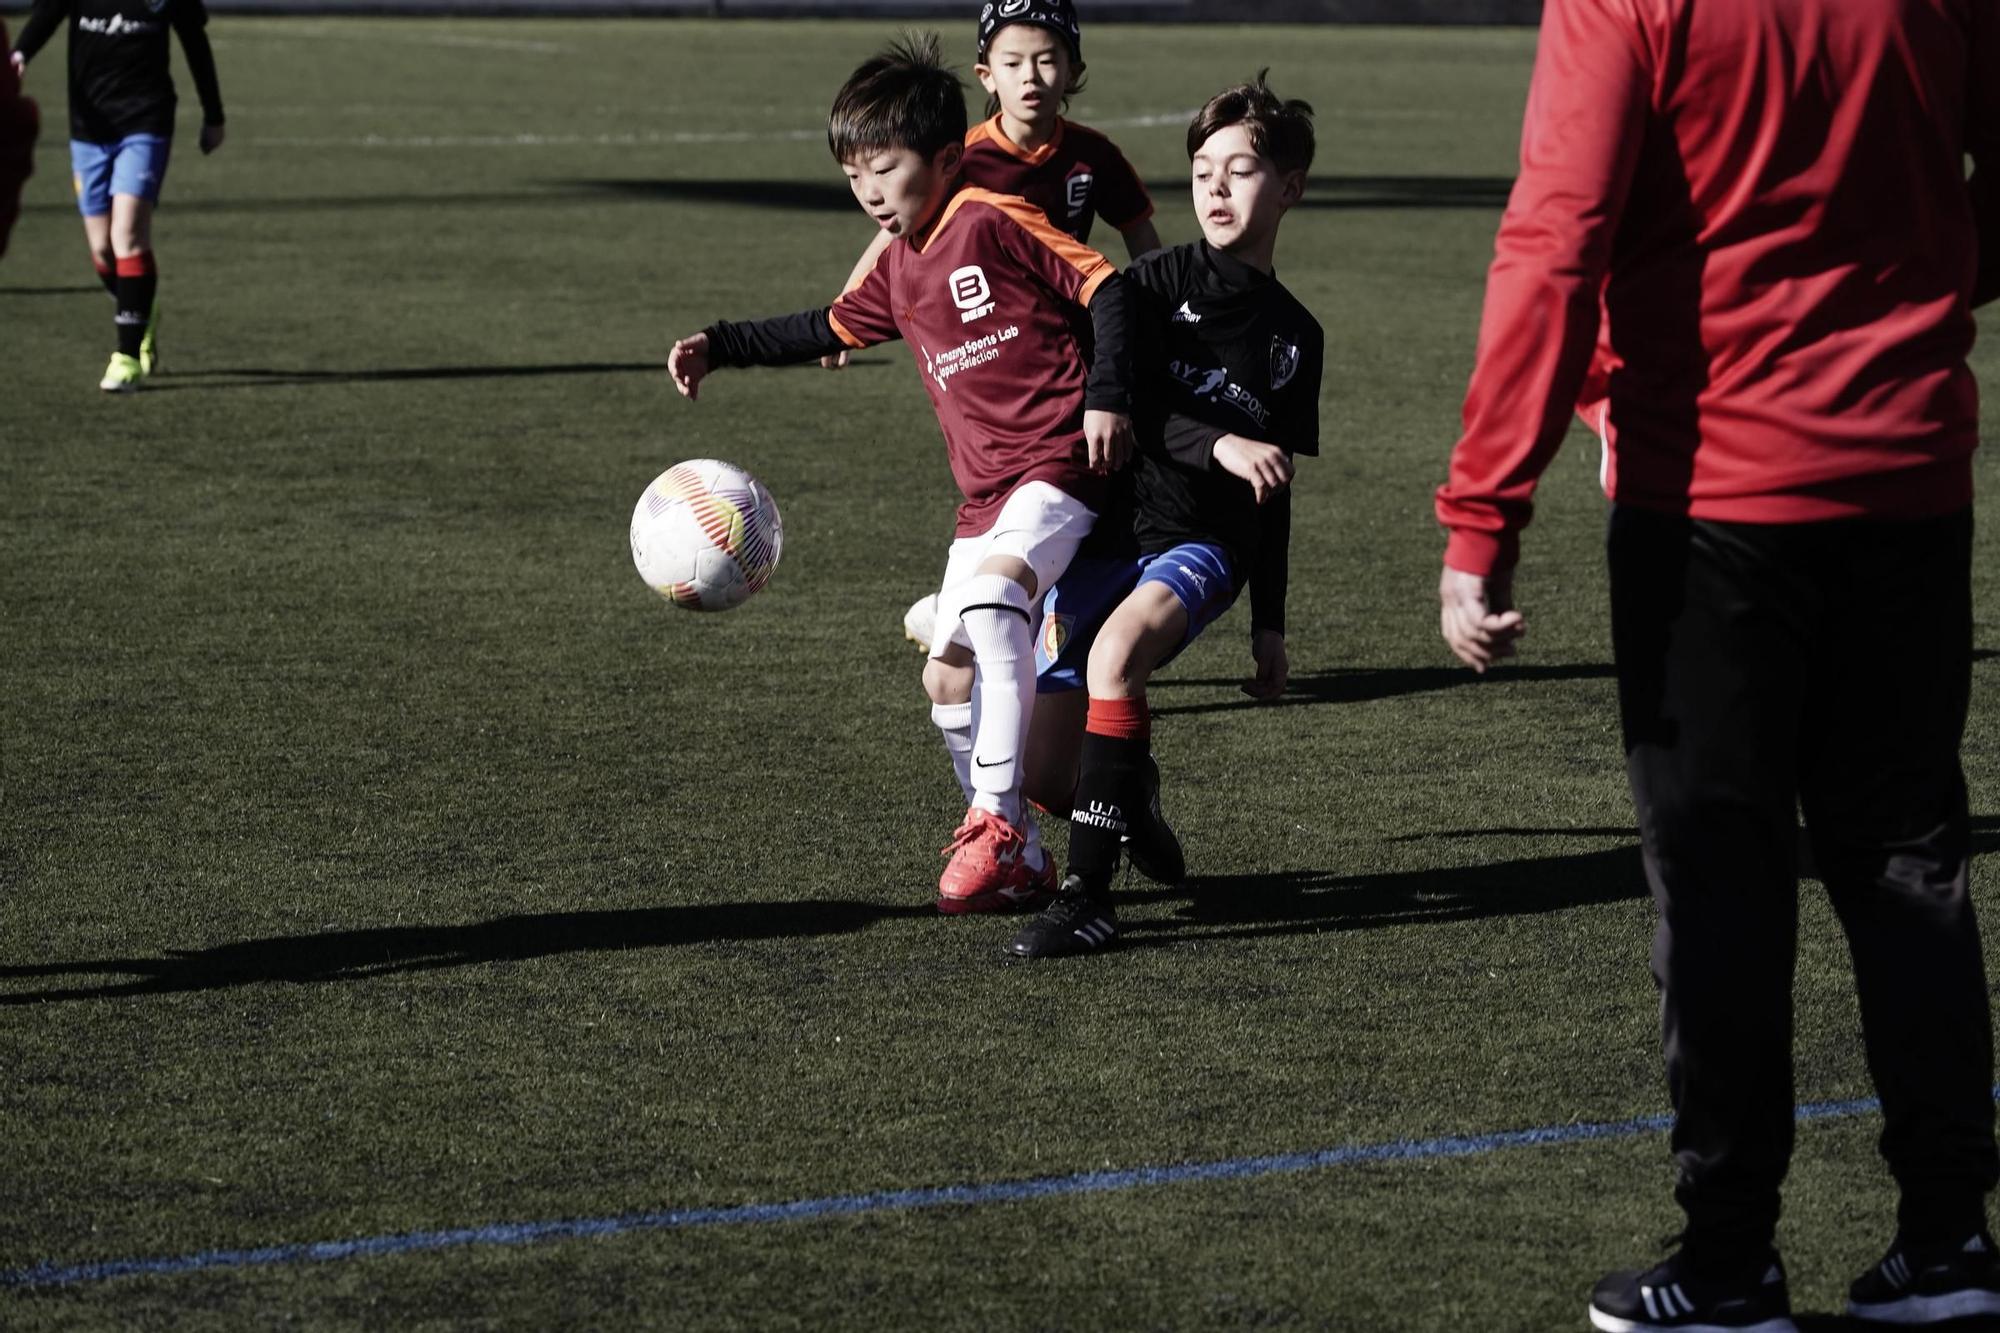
1478	617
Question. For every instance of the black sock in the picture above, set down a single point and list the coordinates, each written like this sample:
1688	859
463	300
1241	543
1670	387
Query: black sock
137	281
1110	781
109	277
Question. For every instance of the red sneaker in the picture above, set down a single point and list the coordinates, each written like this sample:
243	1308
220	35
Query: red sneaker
987	871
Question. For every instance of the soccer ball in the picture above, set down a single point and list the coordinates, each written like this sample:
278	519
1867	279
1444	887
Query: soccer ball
706	535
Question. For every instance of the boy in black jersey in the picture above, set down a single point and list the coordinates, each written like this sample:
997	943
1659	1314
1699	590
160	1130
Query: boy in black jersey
1236	375
121	113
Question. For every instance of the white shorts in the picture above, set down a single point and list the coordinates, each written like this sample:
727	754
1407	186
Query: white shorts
1041	525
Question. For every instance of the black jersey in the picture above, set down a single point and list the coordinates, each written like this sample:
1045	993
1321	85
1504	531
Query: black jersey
1234	353
119	63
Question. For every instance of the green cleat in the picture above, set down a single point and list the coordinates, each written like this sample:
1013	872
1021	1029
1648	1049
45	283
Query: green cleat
149	346
123	375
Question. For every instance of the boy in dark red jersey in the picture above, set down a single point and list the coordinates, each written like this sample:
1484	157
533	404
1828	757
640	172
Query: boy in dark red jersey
1030	60
20	123
121	111
1237	361
985	291
1766	201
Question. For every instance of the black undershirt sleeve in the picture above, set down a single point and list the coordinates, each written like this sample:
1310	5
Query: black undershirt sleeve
1109	388
41	26
1190	440
191	22
780	341
1271	564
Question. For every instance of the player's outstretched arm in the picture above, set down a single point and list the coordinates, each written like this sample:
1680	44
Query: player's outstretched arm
688	364
1479	621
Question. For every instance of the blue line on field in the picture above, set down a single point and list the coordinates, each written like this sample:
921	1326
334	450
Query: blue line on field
49	1274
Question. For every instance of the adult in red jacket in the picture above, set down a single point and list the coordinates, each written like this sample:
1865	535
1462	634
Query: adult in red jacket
20	122
1743	242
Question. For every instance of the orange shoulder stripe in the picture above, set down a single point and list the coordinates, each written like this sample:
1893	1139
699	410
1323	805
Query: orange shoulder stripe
1094	267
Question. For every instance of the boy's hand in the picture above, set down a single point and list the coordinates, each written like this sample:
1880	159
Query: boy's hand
1263	465
1267	649
1479	619
211	139
19	62
834	361
1108	438
688	364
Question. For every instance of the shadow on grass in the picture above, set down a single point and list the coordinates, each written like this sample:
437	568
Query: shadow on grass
1220	907
355	955
830	196
269	377
263	377
1351	685
78	290
1216	907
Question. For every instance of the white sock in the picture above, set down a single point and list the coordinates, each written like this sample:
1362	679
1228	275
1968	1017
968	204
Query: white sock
1032	854
954	722
997	618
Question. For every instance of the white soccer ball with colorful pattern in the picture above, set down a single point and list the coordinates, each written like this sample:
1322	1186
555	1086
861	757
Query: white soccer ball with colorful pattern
706	535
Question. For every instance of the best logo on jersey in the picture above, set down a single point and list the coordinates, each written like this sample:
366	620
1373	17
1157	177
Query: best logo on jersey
971	293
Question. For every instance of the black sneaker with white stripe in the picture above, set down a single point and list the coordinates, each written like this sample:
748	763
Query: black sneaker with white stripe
1670	1296
1929	1284
1076	922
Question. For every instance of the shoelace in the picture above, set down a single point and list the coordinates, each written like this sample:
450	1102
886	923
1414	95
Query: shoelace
972	830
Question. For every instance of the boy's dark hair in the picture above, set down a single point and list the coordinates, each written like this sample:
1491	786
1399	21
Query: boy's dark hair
1280	130
905	97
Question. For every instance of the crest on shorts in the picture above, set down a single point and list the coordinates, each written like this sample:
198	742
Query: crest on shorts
1055	635
1284	361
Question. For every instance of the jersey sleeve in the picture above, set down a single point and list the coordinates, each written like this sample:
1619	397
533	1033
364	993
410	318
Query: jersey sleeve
1063	264
191	23
865	314
1982	145
1121	196
1300	429
1271	564
783	340
1078	274
1587	106
41	26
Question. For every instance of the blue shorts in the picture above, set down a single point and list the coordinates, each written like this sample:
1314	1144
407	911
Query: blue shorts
135	164
1200	574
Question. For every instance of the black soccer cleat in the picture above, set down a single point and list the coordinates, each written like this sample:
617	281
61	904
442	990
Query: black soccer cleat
1669	1298
1150	845
1076	922
1917	1285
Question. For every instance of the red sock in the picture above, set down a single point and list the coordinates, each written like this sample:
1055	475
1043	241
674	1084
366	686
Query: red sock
106	275
1126	719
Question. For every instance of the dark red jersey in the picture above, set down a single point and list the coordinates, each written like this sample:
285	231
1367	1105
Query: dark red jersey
1763	207
1078	175
20	122
986	303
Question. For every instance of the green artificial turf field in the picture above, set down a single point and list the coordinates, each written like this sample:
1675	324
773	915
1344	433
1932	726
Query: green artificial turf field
379	856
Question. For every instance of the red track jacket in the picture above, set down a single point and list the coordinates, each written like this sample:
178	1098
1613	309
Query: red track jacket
1743	246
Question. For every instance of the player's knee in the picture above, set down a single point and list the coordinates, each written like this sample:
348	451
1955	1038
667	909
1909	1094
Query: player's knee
1115	671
